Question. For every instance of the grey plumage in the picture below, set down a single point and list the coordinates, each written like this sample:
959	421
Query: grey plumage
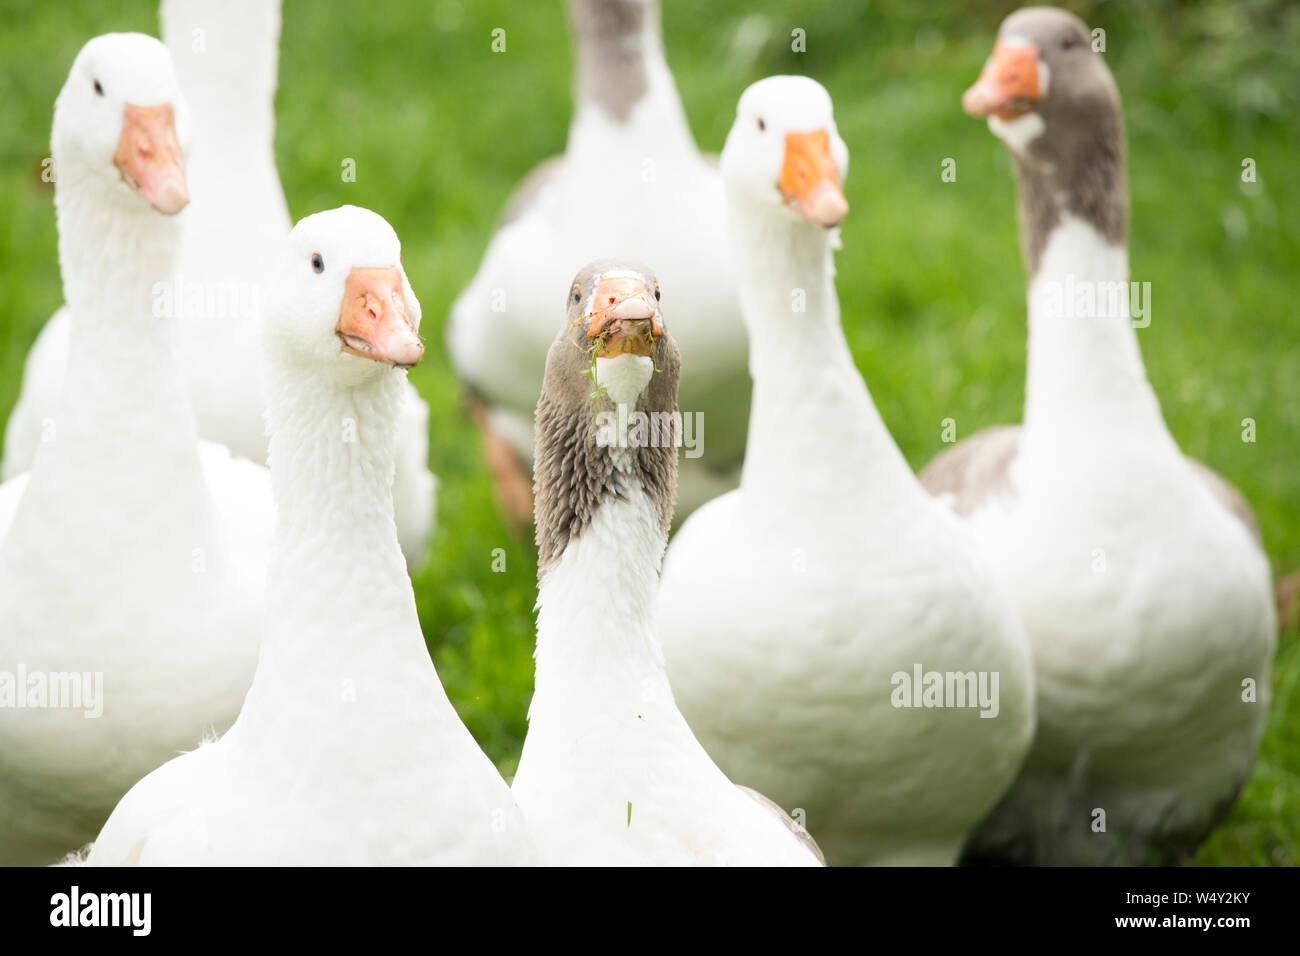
979	469
1077	165
573	474
611	64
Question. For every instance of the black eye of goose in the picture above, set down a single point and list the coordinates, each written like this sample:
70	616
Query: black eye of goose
1069	43
99	88
657	293
317	262
761	125
577	293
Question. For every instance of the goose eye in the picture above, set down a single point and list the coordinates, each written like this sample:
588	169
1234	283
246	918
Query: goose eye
99	88
577	293
761	125
657	293
1069	43
317	262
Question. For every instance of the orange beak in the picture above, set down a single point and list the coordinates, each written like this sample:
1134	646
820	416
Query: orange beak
149	157
373	322
809	181
622	306
1008	87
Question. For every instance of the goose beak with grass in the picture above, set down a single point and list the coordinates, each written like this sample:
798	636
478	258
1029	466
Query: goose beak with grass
623	320
615	319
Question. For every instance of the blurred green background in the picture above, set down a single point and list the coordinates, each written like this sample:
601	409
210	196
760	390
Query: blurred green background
929	279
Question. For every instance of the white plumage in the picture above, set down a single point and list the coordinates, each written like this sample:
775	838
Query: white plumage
788	605
1138	572
610	772
226	54
347	750
132	550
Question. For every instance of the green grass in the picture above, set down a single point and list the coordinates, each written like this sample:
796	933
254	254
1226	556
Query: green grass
929	278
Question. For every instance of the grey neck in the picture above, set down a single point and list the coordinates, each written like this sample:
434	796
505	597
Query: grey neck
574	475
1084	176
616	41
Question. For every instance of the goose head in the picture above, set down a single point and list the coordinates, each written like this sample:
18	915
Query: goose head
1043	90
614	320
613	314
120	121
342	302
784	151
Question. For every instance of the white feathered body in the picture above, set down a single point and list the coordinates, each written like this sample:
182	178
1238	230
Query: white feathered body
610	773
132	552
1148	604
347	750
784	632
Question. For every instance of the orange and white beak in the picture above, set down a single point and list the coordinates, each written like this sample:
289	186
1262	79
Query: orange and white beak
373	322
809	181
1009	86
622	307
149	157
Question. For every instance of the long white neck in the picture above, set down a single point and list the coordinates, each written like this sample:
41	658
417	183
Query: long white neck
815	437
335	546
227	60
625	91
342	660
1085	371
124	410
597	651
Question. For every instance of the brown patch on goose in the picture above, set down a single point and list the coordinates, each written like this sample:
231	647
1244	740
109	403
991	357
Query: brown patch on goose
1227	495
529	188
510	478
1288	601
801	833
977	470
133	858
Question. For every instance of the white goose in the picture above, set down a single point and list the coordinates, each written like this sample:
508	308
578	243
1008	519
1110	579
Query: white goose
631	182
790	606
226	54
347	750
610	772
132	556
1138	572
